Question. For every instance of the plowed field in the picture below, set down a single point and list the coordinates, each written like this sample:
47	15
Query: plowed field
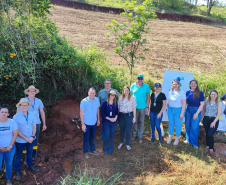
172	45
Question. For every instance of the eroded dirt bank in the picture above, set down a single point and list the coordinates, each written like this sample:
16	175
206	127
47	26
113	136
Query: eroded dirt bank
60	146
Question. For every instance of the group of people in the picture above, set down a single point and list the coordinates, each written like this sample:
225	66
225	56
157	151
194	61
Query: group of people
21	133
130	107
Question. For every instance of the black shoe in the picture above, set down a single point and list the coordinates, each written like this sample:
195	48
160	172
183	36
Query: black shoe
17	175
160	141
152	140
34	155
32	169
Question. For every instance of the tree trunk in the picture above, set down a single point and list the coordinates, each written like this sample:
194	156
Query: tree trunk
196	2
210	7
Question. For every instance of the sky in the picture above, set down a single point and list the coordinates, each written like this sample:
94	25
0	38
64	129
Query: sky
201	2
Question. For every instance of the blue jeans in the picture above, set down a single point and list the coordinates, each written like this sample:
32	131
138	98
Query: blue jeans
8	159
192	126
19	151
174	120
155	122
209	131
89	137
102	131
125	123
109	134
38	126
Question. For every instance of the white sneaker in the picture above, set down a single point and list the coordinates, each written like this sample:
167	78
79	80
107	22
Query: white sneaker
169	140
186	142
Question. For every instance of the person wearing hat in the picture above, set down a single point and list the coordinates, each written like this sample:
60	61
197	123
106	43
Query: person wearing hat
36	107
109	114
26	121
157	106
90	119
103	96
141	91
8	135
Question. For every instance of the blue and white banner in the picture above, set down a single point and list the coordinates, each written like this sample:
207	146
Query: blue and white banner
183	77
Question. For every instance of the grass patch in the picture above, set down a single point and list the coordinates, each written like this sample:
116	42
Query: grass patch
169	6
88	177
217	12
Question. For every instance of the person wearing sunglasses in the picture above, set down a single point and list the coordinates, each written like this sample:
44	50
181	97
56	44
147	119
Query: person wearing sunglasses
141	92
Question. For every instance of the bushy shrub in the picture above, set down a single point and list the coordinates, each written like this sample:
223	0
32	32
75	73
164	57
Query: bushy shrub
176	6
32	52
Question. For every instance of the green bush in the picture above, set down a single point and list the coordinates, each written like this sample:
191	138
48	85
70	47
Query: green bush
214	80
175	6
32	52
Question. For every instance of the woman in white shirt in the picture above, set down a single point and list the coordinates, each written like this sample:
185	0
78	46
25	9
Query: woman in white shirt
127	111
176	102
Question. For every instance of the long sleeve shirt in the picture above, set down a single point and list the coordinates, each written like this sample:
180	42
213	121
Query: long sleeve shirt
108	111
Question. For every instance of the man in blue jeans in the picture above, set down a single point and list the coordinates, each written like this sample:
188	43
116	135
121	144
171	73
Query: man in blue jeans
26	122
90	119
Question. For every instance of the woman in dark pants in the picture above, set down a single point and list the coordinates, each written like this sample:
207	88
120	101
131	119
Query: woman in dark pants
109	113
8	135
157	106
211	111
127	111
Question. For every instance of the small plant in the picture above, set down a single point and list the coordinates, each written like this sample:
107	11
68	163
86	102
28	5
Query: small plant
129	35
88	178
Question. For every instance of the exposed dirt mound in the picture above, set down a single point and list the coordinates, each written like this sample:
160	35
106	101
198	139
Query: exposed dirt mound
220	149
60	147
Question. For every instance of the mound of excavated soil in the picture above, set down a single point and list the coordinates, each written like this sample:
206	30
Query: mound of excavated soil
61	147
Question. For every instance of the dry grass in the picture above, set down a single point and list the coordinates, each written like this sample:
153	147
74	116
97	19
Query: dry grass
172	45
150	164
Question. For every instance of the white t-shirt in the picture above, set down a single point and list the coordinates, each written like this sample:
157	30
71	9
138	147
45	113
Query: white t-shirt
6	132
175	97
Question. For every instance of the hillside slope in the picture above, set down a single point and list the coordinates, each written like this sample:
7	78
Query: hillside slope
172	45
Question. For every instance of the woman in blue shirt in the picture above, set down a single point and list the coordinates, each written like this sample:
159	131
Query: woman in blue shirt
109	114
195	103
8	135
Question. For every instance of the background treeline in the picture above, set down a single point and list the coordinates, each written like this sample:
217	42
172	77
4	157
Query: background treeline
214	8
